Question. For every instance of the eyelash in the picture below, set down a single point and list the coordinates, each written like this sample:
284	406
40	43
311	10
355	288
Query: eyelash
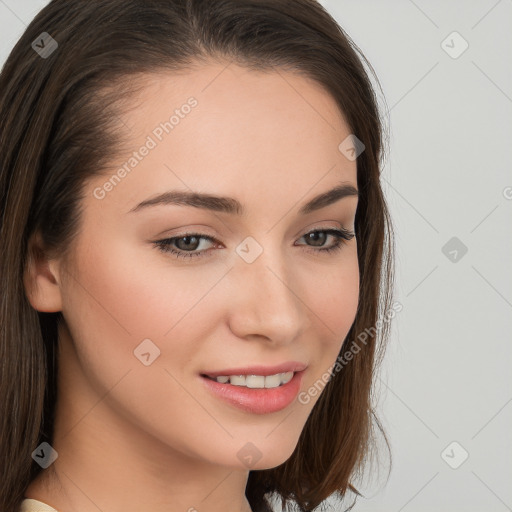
342	236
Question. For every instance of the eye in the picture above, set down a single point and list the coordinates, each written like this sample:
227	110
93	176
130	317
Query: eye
186	245
341	236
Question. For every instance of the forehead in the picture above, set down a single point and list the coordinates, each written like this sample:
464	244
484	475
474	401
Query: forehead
229	130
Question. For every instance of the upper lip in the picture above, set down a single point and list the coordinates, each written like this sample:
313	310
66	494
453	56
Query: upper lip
289	366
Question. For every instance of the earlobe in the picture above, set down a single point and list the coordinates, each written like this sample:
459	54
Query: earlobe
41	278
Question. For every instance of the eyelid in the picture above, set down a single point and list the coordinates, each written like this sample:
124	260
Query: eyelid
199	231
207	231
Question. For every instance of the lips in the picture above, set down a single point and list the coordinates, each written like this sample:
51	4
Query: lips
288	366
256	400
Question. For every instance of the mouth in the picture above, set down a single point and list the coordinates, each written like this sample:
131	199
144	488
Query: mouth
254	393
254	381
257	376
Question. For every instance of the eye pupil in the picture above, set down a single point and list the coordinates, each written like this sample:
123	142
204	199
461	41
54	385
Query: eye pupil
315	235
187	243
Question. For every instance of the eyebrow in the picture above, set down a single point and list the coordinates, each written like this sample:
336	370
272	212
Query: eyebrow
234	207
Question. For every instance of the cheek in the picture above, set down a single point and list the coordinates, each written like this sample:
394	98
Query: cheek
135	290
335	300
336	295
122	294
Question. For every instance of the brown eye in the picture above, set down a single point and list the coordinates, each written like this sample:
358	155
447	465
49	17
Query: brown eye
187	245
319	236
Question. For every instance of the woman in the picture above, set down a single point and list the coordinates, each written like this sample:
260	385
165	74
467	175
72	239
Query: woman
193	237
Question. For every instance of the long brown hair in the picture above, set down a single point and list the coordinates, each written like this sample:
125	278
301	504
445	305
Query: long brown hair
59	127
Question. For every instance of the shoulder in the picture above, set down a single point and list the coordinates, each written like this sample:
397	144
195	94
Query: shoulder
31	505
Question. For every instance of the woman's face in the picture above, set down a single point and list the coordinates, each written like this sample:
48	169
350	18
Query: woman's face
252	289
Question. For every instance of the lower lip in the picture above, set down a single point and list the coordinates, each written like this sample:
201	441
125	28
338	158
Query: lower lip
257	401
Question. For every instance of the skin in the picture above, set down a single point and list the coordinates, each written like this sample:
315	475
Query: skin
132	437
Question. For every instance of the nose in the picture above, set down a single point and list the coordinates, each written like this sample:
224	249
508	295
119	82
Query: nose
266	301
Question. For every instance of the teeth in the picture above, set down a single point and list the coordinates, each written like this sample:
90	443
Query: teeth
237	380
256	381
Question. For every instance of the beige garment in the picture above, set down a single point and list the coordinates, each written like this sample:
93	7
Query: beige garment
31	505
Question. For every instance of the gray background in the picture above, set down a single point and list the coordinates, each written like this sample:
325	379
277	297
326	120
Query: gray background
446	376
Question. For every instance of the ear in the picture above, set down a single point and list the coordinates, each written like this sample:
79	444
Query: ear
41	278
